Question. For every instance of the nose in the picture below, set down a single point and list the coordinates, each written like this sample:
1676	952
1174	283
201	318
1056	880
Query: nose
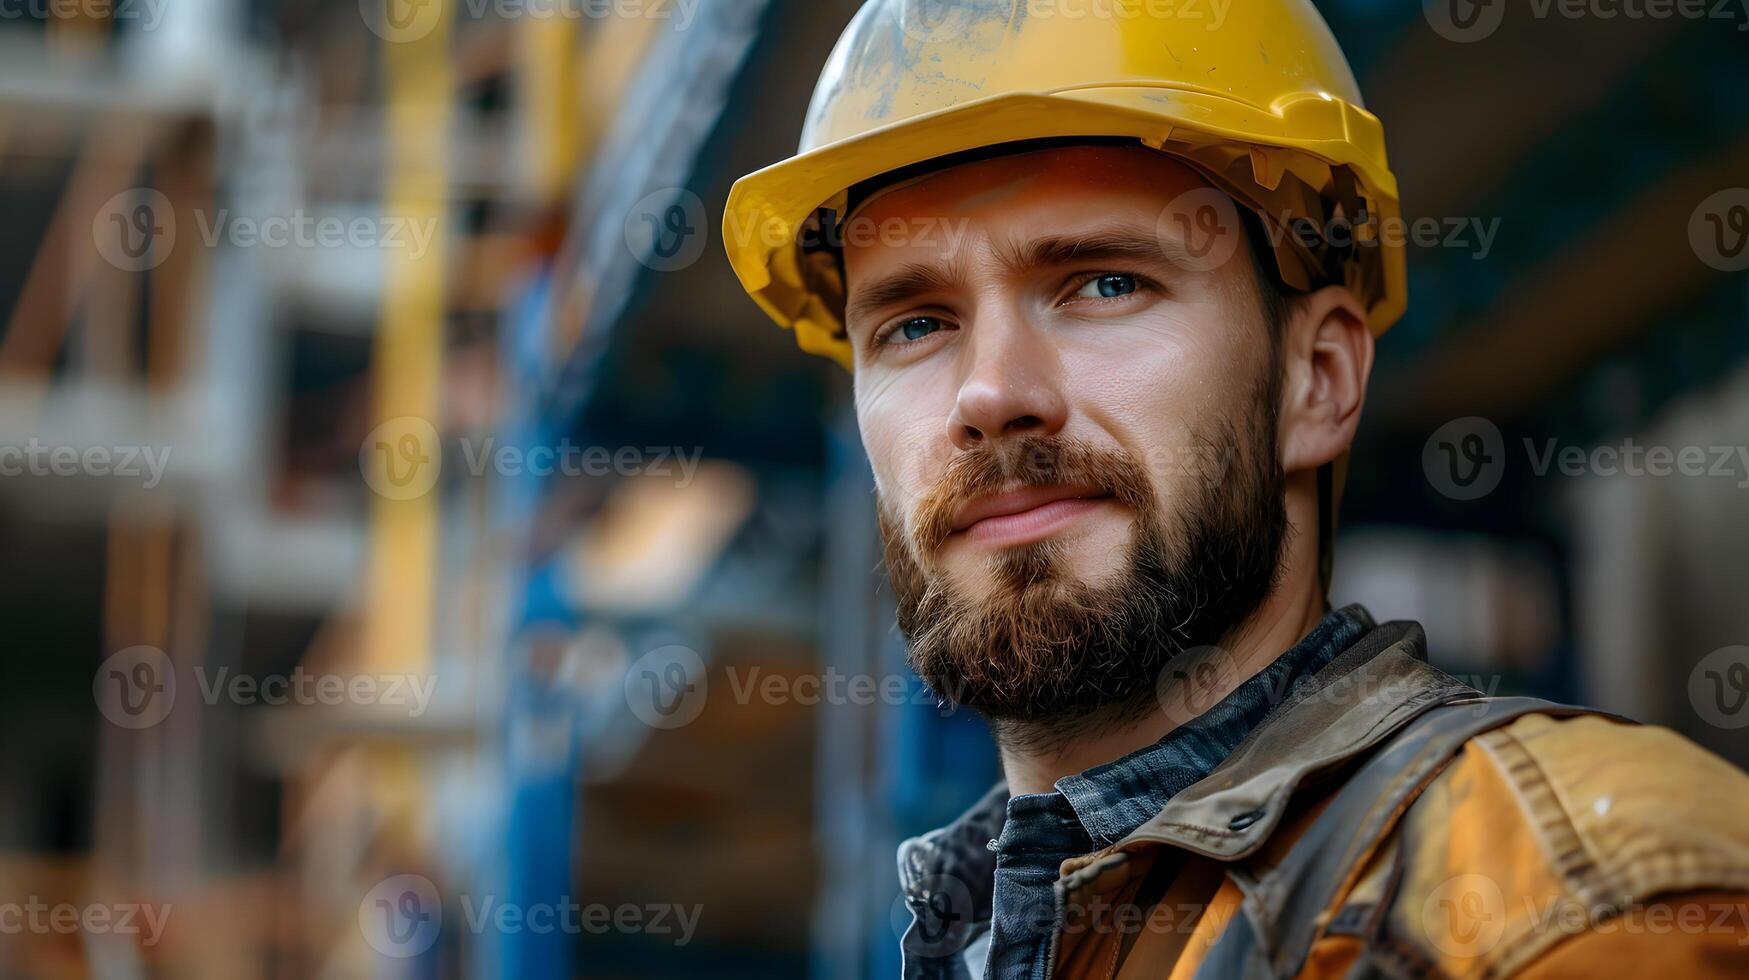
1011	387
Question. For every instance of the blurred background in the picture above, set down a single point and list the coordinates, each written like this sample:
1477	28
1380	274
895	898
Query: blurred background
419	559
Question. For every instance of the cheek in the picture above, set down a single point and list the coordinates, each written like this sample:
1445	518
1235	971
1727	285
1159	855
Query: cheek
1137	385
1158	391
907	449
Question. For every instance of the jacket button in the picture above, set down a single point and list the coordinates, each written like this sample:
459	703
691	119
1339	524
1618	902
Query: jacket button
1244	820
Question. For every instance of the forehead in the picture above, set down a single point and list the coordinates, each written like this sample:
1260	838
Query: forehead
1045	185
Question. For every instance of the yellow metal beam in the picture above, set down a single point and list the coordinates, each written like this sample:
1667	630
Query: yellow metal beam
407	371
408	363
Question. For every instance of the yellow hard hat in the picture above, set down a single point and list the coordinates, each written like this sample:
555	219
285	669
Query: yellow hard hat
1255	95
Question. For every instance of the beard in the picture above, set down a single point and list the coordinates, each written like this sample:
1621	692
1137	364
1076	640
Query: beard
1047	657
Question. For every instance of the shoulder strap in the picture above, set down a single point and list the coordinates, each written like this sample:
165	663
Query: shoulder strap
1283	905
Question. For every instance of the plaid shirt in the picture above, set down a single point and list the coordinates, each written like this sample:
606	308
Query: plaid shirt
981	889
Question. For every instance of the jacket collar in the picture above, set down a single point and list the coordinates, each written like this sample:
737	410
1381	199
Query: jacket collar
1360	699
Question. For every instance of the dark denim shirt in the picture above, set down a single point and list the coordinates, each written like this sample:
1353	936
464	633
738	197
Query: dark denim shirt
981	889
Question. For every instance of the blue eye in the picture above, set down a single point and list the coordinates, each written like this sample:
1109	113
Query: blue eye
1108	287
917	328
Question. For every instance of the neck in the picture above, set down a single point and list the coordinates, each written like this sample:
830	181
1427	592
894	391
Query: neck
1290	612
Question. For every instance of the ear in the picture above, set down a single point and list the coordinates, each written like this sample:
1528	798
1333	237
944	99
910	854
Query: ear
1327	352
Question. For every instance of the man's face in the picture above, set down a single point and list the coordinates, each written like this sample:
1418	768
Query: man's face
1069	407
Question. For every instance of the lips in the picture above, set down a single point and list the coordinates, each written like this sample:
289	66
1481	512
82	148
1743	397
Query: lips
1026	514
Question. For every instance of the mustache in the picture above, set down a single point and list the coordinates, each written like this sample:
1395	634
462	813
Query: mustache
1031	461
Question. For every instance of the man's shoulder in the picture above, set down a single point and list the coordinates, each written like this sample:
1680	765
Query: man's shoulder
1611	800
1548	829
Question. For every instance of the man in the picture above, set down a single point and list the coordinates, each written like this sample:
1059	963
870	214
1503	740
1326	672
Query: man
1109	288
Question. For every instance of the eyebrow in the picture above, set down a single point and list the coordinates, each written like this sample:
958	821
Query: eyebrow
912	280
1113	244
1118	244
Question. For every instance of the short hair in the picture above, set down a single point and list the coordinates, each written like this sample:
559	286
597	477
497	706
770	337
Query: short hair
1275	296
